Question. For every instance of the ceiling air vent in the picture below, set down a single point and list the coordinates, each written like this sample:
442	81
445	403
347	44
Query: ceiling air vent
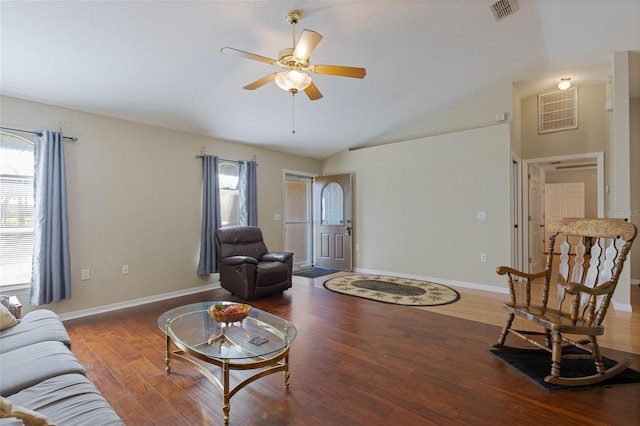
558	110
503	8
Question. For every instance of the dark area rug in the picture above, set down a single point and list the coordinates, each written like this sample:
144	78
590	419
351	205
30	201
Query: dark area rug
396	290
315	272
536	366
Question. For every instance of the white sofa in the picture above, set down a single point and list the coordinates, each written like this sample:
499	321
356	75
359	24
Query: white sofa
39	372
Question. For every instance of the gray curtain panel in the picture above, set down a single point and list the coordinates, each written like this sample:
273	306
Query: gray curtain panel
211	221
51	276
248	194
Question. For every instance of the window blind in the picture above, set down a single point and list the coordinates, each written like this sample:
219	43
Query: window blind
16	210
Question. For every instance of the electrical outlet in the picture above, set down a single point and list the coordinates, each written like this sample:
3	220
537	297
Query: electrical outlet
85	274
483	257
125	270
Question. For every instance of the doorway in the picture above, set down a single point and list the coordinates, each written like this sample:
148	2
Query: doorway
317	220
538	172
333	226
298	218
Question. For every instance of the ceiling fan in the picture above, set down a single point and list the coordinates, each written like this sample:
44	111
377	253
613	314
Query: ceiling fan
295	62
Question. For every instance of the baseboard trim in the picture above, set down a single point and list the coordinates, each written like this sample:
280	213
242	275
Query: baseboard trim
622	307
452	283
136	302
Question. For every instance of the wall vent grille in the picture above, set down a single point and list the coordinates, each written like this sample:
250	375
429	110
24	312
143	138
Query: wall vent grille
558	110
503	8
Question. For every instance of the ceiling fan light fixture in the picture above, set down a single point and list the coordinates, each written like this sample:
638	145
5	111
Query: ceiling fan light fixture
293	81
565	83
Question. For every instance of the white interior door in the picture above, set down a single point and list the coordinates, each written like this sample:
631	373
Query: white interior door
563	200
332	222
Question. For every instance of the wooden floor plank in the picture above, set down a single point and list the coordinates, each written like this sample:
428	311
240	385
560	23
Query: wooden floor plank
354	361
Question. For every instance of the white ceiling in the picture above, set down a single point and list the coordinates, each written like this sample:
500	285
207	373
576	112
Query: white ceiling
159	63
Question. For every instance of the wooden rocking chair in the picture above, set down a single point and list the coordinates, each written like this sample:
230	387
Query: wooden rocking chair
583	294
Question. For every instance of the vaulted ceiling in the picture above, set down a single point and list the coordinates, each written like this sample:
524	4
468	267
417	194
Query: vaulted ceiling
159	63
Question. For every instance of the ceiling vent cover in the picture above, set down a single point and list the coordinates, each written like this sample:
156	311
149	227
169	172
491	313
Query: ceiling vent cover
503	8
558	110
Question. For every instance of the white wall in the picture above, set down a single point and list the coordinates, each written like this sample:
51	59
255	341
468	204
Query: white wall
134	197
415	205
634	121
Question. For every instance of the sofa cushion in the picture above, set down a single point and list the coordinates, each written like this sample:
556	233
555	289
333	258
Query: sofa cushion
36	326
68	399
6	318
27	366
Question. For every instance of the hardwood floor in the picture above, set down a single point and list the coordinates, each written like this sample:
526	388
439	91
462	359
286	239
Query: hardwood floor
354	362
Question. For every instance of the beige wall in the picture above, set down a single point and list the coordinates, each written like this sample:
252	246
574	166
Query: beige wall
635	183
134	196
592	134
415	205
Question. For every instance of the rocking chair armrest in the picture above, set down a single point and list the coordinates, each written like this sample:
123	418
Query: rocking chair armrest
575	288
501	270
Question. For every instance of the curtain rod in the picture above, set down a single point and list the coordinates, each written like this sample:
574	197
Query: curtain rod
202	154
37	133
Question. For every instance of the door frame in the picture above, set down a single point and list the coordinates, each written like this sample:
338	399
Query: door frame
311	176
516	212
598	156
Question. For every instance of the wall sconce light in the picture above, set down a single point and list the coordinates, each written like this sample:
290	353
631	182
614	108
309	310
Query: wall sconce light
565	83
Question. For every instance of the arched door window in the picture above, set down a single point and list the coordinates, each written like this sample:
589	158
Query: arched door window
332	204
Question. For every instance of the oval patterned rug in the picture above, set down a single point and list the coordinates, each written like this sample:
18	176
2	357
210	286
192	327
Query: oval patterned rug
401	291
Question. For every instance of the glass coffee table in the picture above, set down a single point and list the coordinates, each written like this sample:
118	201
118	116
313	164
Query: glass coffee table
260	341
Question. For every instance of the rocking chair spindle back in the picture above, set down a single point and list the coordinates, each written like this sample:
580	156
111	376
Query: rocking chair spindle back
582	295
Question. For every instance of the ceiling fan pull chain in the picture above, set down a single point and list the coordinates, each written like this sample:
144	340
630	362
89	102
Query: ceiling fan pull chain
293	113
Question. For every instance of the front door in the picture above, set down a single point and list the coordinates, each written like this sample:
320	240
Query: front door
332	222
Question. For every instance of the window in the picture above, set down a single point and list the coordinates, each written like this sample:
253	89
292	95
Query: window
332	204
228	181
16	210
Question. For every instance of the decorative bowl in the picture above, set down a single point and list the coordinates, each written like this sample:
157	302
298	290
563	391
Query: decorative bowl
229	312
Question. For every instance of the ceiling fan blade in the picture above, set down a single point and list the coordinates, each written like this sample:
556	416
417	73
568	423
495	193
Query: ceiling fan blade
338	70
312	92
306	44
242	53
259	83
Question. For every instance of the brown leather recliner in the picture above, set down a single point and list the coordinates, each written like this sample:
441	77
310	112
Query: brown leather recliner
247	269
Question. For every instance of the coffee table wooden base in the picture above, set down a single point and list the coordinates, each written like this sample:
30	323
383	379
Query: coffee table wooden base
267	366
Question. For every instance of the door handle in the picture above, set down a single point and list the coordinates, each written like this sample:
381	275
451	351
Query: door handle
347	231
